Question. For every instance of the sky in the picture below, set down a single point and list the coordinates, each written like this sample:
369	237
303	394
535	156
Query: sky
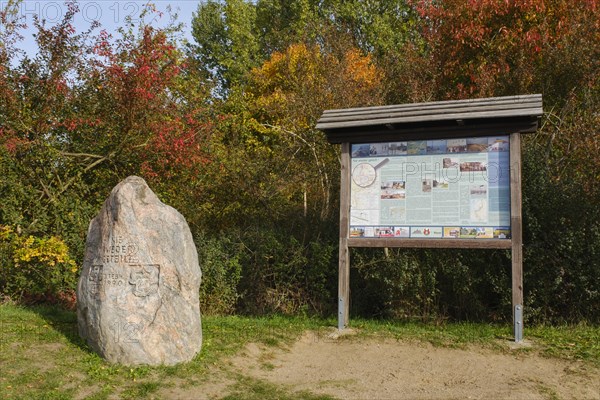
110	13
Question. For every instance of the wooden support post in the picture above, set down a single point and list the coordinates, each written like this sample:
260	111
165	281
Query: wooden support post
516	226
344	256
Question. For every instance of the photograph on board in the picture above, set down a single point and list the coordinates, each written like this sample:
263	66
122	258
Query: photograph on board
477	145
456	145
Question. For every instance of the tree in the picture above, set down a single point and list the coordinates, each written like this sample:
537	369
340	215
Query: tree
226	42
484	48
291	171
86	112
234	36
290	92
36	101
377	27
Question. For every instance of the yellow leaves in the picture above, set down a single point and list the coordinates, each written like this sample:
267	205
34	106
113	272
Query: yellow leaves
361	69
5	232
275	103
294	86
28	241
50	251
299	63
303	62
309	65
35	266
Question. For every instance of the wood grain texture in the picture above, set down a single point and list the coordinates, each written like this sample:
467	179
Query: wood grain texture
498	107
515	219
344	254
449	103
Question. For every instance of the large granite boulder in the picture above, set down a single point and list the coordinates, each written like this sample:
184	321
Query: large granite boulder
137	297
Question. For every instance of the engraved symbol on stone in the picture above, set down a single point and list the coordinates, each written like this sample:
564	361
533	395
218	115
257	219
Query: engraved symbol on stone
130	332
144	279
95	279
126	333
132	249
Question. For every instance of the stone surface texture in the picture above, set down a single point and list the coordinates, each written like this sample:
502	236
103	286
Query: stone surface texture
137	297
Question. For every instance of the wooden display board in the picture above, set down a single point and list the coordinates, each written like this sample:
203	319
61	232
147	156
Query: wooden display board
432	175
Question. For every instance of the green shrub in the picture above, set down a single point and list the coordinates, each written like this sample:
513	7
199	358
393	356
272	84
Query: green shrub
561	244
35	268
221	273
283	275
431	284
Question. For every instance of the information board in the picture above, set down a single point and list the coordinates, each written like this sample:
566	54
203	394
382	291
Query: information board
438	189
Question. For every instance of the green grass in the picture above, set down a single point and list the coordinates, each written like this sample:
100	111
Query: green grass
572	342
455	335
42	356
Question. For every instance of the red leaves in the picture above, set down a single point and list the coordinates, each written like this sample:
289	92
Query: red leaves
177	143
480	46
12	144
11	140
73	124
141	95
492	47
103	47
137	73
120	103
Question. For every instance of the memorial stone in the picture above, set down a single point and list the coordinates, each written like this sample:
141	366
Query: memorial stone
137	297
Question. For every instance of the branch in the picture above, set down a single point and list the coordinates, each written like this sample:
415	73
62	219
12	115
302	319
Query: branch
46	192
87	155
86	169
320	165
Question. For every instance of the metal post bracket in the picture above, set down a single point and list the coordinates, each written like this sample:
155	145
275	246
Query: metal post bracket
341	312
518	323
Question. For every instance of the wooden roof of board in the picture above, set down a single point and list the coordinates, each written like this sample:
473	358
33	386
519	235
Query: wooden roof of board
487	116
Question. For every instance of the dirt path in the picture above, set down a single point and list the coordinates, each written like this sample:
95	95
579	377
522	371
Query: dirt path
387	369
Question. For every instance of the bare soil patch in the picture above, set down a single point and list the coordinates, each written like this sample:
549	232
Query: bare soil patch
388	369
214	388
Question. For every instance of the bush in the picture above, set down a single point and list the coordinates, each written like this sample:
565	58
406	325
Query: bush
263	271
561	244
35	269
221	273
283	275
431	284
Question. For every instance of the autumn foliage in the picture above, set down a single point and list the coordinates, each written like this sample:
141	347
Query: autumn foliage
223	129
